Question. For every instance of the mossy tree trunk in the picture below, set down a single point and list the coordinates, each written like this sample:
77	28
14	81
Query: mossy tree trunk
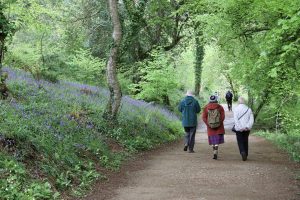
198	63
3	34
113	83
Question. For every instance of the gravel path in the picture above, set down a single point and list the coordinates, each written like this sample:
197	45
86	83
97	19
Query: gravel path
172	174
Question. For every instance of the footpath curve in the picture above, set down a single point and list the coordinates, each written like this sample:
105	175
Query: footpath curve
172	174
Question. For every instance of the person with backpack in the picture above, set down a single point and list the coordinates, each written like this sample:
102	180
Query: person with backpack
189	107
214	116
243	122
228	98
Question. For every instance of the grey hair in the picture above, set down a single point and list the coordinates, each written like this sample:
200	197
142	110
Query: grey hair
241	100
189	93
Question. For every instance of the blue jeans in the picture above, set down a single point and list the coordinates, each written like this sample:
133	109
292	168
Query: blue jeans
189	138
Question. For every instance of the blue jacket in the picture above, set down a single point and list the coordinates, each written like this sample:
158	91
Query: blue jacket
189	107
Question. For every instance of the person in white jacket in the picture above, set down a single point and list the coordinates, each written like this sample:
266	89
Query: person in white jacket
243	122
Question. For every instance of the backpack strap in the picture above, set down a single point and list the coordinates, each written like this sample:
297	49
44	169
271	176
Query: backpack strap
243	114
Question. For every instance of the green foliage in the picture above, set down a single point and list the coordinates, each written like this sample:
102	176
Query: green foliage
81	66
184	68
290	142
158	80
87	68
258	49
27	56
60	135
250	46
14	183
151	24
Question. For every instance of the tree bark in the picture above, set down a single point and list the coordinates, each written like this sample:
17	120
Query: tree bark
3	34
264	100
198	64
2	45
113	83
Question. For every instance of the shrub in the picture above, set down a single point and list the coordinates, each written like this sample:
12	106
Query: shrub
87	68
158	80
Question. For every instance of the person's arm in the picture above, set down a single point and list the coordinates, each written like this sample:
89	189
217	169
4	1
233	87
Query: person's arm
197	107
251	121
180	107
204	115
222	113
236	119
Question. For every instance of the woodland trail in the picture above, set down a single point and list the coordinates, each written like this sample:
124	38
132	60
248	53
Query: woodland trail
172	174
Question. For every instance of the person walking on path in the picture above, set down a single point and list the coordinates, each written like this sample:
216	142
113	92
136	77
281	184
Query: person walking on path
189	107
228	98
214	116
243	122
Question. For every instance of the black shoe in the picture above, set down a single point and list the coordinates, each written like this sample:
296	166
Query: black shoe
185	148
244	156
191	151
215	156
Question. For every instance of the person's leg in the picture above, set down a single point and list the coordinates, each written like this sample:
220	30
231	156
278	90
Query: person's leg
228	105
240	141
192	139
215	151
186	138
246	139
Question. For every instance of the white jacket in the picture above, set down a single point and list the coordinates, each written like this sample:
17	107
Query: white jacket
245	121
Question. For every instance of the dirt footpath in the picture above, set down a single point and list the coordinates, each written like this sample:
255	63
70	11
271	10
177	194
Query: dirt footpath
172	174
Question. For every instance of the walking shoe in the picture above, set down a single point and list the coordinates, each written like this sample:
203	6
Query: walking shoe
185	148
215	156
191	151
244	156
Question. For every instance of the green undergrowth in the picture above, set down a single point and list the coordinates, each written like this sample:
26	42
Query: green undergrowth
54	141
290	141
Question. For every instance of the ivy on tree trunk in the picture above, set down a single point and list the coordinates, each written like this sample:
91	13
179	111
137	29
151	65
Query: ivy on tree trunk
3	24
198	64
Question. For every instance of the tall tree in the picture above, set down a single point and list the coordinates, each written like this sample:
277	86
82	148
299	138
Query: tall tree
263	46
198	62
6	29
113	83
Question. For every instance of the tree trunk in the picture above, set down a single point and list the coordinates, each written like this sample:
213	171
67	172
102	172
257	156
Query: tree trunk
250	100
235	94
2	45
42	50
198	64
113	83
261	104
166	100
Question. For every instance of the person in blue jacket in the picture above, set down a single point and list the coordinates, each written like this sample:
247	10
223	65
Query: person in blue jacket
189	107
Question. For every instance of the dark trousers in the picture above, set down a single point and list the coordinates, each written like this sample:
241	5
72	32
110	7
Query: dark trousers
189	138
229	104
242	140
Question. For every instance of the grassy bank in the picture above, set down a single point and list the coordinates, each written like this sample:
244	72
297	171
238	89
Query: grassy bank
55	142
290	142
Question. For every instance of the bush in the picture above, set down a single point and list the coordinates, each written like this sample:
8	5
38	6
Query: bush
26	57
87	68
158	79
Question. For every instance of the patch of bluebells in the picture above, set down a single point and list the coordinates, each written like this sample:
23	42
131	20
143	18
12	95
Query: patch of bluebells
145	106
64	116
71	92
58	104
